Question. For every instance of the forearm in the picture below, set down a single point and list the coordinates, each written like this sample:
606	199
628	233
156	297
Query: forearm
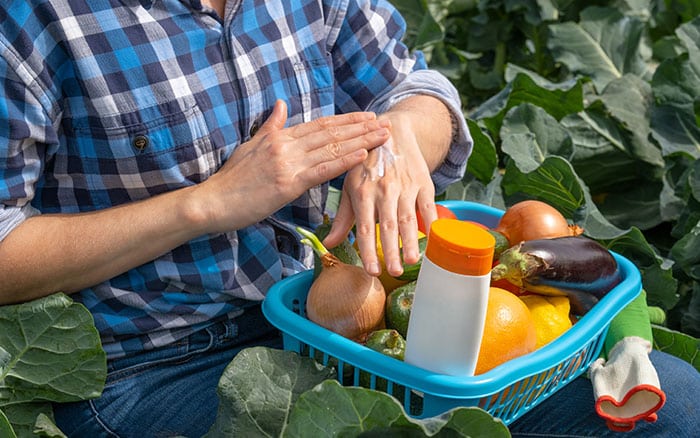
68	252
431	123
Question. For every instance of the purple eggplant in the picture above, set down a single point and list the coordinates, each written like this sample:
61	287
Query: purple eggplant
574	266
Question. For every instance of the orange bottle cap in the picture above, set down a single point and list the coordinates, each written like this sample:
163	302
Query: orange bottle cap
460	247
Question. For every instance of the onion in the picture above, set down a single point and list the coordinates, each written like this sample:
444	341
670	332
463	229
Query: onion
344	298
532	219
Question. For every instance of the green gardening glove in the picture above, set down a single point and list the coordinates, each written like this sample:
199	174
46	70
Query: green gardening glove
625	383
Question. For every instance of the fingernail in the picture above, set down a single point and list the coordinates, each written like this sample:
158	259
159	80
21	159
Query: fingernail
374	269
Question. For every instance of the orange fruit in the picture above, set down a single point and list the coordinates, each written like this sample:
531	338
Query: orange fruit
509	330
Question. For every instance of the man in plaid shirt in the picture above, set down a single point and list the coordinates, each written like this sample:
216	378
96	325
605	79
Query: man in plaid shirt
155	157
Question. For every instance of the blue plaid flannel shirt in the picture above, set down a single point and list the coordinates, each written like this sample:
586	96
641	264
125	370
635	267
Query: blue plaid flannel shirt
105	102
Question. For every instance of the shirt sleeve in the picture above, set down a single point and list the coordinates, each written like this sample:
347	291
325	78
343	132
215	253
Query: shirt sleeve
432	83
374	70
26	131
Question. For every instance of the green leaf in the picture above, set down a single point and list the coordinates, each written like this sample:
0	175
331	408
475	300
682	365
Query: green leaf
678	344
483	161
333	410
676	86
603	46
258	388
628	100
657	276
6	430
529	135
636	206
471	189
424	21
46	427
23	416
558	100
52	352
686	253
690	317
553	181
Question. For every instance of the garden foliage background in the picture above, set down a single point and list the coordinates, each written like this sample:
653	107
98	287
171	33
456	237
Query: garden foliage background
594	107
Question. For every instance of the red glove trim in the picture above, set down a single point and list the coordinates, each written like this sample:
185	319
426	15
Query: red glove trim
627	424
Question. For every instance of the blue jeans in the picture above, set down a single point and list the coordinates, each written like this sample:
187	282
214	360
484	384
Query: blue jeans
172	391
570	412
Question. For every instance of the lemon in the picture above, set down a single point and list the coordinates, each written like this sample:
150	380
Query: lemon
551	315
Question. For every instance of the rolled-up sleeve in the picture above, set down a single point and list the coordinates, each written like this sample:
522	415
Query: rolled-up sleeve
375	69
11	217
26	130
432	83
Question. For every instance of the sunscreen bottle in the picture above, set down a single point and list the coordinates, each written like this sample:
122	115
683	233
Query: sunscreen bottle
449	304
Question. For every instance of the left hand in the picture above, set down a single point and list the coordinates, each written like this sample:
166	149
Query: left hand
387	188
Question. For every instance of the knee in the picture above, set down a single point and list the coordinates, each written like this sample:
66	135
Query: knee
680	382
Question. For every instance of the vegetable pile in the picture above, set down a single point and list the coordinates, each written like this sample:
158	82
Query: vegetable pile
543	256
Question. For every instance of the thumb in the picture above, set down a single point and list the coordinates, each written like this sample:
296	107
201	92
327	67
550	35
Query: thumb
276	120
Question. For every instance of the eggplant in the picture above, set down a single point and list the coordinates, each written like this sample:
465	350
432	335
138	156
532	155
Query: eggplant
574	266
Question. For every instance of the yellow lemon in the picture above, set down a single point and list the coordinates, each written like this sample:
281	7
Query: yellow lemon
551	315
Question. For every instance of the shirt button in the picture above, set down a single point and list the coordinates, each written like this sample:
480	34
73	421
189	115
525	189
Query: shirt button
254	128
140	142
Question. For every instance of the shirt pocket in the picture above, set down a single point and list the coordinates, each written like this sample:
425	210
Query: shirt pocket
125	157
312	93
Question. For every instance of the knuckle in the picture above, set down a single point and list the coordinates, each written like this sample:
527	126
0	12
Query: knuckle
334	132
387	225
364	230
324	122
407	219
334	149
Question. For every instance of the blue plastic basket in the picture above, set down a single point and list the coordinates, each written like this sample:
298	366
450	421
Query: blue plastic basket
507	391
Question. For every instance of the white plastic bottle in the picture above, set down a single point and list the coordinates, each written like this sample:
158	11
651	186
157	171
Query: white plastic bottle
449	305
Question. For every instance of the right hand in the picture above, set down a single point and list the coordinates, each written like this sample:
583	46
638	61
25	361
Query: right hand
279	164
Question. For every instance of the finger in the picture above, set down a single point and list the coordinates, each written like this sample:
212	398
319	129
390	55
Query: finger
323	123
342	223
340	158
389	233
327	170
408	229
334	150
427	210
335	136
276	120
365	227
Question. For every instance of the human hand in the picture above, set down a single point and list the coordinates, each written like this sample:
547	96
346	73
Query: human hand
279	164
387	188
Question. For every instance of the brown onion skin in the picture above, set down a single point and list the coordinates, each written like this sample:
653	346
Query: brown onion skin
346	300
531	220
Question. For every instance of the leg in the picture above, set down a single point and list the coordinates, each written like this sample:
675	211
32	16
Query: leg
570	412
168	392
